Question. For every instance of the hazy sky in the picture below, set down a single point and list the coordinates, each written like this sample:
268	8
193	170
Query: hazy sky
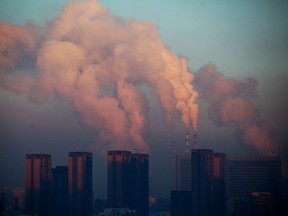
242	38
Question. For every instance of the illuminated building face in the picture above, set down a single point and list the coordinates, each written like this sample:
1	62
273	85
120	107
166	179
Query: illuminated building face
38	184
80	183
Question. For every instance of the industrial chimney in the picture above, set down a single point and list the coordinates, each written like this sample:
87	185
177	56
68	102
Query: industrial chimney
187	145
195	141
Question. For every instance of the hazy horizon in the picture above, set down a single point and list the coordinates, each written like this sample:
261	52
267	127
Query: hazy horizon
102	75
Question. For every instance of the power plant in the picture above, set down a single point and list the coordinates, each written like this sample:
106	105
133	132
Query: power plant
187	144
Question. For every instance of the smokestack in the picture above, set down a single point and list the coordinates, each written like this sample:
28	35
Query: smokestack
173	165
187	145
195	136
173	149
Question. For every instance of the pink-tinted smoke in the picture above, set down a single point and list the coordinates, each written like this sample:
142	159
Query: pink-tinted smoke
98	61
231	104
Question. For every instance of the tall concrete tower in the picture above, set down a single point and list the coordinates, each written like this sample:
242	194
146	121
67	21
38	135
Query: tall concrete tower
202	181
183	172
60	191
183	168
38	184
187	144
140	183
80	183
219	184
128	181
118	192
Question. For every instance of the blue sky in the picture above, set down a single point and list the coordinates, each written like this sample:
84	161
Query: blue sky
243	38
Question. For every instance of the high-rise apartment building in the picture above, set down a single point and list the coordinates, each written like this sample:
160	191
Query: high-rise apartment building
183	172
181	203
80	183
246	175
202	175
60	191
140	183
253	174
38	184
119	180
219	185
202	182
128	181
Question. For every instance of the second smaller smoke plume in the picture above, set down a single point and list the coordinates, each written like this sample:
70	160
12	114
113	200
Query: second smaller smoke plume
231	104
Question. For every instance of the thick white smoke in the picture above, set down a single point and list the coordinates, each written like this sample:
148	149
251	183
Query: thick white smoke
98	61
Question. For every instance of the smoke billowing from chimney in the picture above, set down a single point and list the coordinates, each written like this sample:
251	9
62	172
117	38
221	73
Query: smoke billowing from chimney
231	105
98	62
187	143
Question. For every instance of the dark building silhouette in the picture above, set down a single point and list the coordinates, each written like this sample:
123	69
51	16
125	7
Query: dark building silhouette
181	203
128	181
38	184
13	200
140	183
160	204
246	175
19	200
183	167
202	182
263	204
183	172
119	181
206	177
80	183
219	186
60	191
99	205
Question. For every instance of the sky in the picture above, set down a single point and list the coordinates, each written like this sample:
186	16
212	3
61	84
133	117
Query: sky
222	42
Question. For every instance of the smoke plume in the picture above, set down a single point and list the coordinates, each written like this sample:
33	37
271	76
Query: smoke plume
99	62
231	105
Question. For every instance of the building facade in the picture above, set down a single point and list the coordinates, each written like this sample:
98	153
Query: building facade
80	183
13	200
202	182
128	181
183	172
38	184
60	191
219	184
140	183
119	179
181	203
246	175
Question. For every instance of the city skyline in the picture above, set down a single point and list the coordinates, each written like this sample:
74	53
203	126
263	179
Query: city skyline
211	69
247	185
